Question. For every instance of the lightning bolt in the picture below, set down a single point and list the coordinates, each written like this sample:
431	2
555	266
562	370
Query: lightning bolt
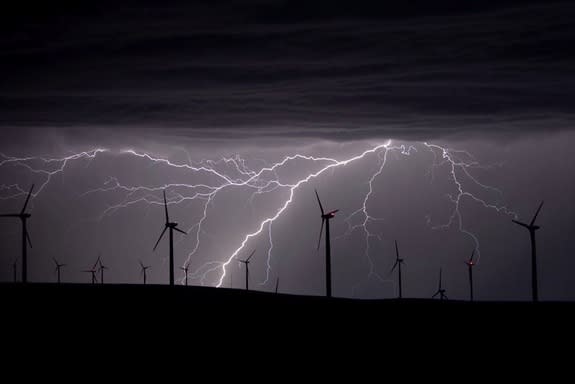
228	173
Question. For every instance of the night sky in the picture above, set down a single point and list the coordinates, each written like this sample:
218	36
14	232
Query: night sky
465	109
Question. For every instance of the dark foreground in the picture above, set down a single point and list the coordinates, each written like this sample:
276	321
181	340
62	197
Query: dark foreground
131	300
96	310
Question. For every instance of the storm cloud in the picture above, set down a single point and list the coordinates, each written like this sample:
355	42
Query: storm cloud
284	69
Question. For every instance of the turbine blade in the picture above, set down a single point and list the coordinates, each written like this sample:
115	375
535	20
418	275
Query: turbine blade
521	224
536	213
394	266
166	208
250	256
320	233
471	258
98	260
179	230
141	264
333	212
27	200
319	202
28	238
160	238
396	252
436	293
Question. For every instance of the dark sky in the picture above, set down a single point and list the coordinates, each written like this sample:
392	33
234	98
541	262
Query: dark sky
190	81
333	69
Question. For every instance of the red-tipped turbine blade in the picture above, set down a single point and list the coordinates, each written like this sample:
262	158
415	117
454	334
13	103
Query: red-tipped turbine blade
27	200
536	213
160	238
319	202
179	230
166	208
521	224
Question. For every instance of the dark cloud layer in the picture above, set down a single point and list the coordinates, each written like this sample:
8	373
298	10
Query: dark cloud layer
335	69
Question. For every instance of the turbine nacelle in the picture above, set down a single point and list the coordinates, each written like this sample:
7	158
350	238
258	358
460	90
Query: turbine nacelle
531	226
329	215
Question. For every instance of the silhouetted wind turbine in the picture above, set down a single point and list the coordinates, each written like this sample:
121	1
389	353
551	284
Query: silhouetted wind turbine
470	264
277	284
325	218
14	270
397	264
58	268
247	263
93	272
143	270
172	227
101	268
531	227
23	216
185	269
440	290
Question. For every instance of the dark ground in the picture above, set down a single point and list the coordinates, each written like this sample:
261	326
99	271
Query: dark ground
113	302
76	322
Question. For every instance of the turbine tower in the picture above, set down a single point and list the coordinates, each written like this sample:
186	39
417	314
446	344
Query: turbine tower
185	269
398	262
143	270
101	269
23	216
470	264
440	290
93	272
247	263
531	227
58	268
172	227
325	218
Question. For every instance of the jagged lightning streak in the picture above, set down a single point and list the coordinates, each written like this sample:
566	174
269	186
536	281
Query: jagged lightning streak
49	168
266	180
450	159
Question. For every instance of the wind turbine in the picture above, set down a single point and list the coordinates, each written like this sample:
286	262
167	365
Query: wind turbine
14	270
531	227
172	227
101	268
470	264
93	272
325	218
277	284
247	263
185	269
143	270
23	216
398	262
440	290
58	268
